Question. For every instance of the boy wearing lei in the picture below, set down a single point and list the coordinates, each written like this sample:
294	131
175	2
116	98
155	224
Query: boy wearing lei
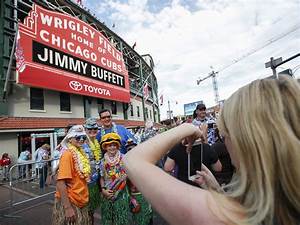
115	205
142	213
72	196
92	149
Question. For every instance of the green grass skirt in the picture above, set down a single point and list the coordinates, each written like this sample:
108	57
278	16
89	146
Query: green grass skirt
95	197
116	212
144	216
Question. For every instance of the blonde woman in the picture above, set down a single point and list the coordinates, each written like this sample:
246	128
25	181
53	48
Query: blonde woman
260	123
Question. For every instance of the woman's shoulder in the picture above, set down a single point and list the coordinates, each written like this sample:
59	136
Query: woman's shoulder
225	209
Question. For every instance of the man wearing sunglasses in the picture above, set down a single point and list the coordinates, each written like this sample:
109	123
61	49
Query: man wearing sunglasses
107	126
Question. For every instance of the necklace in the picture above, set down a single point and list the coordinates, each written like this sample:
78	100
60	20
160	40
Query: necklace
95	147
114	159
82	164
113	129
113	166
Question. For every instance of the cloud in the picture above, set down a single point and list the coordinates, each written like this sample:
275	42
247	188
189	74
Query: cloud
186	37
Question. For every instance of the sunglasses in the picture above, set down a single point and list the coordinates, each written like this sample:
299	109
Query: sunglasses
105	117
80	138
96	128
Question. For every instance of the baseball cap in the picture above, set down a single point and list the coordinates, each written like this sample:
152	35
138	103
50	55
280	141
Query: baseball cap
91	123
130	142
201	106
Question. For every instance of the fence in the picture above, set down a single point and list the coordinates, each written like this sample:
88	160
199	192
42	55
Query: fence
30	179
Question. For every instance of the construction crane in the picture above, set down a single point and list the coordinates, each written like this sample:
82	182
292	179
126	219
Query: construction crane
215	84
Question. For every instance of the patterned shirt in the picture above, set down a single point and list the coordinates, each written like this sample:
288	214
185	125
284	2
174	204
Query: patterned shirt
93	163
211	139
120	130
112	173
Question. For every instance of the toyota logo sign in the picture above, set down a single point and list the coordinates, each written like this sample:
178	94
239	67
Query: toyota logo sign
75	85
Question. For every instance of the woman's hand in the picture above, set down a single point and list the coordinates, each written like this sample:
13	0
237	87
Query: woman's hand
197	134
204	128
108	194
70	215
207	180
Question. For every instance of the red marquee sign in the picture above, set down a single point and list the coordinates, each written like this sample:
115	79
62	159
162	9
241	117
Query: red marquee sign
60	52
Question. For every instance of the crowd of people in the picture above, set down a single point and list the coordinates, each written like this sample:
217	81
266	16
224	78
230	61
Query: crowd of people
248	172
91	174
259	124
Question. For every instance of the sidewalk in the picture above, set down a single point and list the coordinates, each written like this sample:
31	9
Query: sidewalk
38	211
34	212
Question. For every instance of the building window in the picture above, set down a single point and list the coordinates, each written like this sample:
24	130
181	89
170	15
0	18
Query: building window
114	107
65	102
138	111
147	116
131	110
36	98
87	106
150	114
100	104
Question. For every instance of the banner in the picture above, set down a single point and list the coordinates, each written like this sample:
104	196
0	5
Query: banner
60	52
190	107
161	98
146	91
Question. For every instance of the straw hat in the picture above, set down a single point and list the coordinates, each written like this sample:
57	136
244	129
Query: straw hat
110	138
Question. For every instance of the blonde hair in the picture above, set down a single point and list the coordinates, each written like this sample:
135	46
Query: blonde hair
262	121
46	146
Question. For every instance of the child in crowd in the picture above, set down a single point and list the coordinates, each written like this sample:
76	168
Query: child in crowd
115	205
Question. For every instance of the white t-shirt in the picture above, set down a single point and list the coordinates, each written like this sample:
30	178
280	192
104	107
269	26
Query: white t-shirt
41	154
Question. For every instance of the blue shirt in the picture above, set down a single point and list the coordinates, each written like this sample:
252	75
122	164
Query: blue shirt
124	134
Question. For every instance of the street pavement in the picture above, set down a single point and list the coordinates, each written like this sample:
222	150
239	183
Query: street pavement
36	205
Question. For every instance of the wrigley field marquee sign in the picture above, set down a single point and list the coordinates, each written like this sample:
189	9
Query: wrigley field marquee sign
60	52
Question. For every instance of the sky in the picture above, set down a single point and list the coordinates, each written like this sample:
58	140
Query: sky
189	38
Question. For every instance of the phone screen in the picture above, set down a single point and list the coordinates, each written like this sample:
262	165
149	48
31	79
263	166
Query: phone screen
195	161
211	125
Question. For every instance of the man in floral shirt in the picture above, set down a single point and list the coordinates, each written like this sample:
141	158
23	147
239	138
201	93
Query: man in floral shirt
208	123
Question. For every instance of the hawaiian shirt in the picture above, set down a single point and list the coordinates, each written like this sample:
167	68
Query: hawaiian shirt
95	166
211	136
149	133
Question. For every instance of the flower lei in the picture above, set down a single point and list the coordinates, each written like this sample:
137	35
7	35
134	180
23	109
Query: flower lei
82	164
114	166
113	160
113	130
95	147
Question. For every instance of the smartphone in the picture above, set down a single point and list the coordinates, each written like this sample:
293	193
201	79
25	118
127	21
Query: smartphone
195	161
211	125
